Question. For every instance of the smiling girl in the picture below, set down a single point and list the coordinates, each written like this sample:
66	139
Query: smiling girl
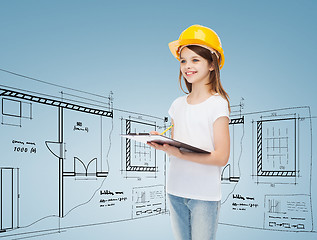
201	119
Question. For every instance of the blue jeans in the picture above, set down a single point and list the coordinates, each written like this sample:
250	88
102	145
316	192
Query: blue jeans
194	219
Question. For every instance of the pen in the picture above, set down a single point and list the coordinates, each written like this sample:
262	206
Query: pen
167	129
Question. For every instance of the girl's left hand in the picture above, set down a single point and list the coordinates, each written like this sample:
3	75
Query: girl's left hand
170	150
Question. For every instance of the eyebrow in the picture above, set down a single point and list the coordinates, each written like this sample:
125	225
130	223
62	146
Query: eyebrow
191	57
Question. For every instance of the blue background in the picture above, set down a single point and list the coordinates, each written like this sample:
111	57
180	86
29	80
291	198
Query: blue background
121	46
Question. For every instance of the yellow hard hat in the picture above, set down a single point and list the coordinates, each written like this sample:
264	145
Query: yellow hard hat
198	35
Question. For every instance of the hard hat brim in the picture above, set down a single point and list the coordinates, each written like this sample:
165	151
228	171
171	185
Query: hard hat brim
175	46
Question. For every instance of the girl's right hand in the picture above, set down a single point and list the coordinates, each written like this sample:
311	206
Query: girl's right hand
155	133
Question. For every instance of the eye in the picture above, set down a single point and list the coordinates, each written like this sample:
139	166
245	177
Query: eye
182	61
195	60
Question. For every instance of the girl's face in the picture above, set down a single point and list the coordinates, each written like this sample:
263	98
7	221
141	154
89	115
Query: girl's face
194	68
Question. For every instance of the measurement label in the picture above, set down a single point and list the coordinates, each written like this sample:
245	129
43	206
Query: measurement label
24	147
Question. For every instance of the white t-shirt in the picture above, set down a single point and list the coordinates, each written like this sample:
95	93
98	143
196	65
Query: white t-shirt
193	124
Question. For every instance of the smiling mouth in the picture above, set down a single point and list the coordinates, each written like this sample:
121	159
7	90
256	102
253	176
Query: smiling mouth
190	73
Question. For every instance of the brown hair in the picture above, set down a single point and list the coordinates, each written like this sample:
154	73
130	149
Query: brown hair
214	77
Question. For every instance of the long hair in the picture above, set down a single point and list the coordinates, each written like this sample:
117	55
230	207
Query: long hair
214	76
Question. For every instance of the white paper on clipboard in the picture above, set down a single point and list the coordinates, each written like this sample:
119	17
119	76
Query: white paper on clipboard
160	139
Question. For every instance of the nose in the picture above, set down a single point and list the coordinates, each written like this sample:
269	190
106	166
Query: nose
187	65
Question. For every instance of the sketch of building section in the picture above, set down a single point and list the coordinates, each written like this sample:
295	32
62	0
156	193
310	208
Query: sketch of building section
86	156
24	148
139	159
148	200
65	147
284	140
54	102
82	148
231	172
61	109
14	110
281	145
139	156
9	199
230	175
276	147
288	212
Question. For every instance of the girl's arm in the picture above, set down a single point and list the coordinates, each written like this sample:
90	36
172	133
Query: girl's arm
218	157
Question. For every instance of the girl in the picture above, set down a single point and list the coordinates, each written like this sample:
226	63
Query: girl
201	119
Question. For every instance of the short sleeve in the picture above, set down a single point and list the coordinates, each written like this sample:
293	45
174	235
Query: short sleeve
220	109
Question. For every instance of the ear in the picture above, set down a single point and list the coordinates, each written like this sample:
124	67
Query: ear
211	67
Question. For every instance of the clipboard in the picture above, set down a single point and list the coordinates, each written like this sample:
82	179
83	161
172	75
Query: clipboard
161	139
